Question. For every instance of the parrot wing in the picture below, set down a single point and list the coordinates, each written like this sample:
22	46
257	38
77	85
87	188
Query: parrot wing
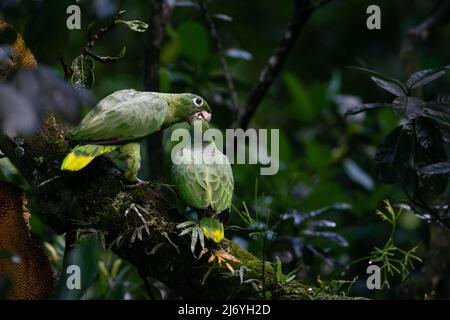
205	184
122	116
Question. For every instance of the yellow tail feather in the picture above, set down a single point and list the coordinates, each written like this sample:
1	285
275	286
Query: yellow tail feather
75	162
82	155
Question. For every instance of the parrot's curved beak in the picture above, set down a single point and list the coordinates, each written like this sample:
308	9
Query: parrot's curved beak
202	115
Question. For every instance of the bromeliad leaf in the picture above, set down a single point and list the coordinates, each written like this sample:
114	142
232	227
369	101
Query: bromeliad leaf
382	77
392	157
185	224
423	77
135	25
408	107
194	237
365	107
442	168
83	72
186	231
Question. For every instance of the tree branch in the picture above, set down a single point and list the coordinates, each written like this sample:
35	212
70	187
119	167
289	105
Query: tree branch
93	198
302	11
160	13
101	33
220	50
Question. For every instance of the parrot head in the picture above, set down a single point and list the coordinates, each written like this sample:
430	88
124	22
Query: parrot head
190	107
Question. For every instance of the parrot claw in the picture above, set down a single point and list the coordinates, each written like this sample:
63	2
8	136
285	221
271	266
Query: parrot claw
138	184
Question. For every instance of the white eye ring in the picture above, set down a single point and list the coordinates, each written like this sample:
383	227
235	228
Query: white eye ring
198	102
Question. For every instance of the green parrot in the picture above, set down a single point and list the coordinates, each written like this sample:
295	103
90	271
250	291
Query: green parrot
121	120
204	180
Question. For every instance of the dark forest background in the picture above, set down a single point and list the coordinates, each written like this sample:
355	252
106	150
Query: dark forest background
326	159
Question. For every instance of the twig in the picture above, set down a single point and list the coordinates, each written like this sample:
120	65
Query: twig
104	59
219	46
66	69
419	33
302	11
93	39
101	32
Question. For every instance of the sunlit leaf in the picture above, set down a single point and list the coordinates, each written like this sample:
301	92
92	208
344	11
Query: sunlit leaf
135	25
83	72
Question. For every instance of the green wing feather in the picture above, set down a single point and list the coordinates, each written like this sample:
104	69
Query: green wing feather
204	185
124	115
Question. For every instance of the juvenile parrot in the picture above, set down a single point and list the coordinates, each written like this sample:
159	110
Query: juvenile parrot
204	179
121	120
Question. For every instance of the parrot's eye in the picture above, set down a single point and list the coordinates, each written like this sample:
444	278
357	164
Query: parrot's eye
198	102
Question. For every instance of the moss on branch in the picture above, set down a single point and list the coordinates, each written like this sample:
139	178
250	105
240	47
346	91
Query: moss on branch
96	198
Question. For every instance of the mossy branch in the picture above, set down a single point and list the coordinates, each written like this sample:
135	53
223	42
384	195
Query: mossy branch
95	198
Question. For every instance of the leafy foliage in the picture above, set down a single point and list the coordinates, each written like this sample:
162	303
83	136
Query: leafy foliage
408	154
391	259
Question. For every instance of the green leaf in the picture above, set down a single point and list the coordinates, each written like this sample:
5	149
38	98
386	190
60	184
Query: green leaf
423	77
83	72
380	76
135	25
122	52
194	41
305	109
393	155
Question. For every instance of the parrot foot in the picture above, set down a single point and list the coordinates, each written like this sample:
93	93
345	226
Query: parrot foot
138	184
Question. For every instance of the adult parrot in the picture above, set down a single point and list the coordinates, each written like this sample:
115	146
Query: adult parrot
121	120
204	180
